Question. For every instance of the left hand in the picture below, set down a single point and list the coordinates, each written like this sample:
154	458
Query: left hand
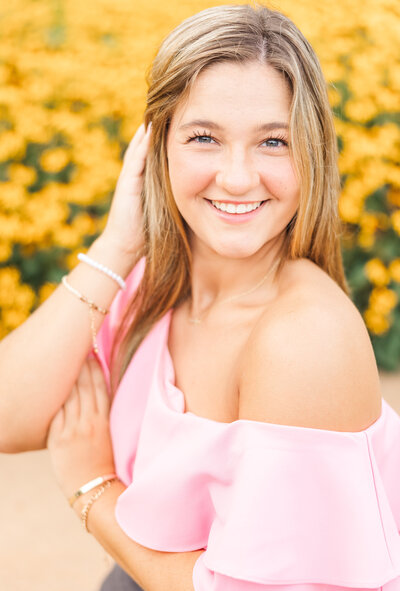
79	438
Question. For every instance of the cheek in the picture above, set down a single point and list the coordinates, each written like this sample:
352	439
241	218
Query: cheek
189	174
281	180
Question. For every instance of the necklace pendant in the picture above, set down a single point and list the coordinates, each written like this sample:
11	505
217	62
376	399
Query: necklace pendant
195	320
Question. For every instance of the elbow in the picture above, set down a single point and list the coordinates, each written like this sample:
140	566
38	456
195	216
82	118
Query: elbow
16	440
6	442
16	446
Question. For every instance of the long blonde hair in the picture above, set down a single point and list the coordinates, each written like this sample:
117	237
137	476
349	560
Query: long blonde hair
236	33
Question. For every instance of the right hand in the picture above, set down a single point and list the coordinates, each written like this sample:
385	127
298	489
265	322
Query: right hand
124	226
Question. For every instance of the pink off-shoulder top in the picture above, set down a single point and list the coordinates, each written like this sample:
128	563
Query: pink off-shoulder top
275	507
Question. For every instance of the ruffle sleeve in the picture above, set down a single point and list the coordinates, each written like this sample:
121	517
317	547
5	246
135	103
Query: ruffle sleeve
311	513
281	507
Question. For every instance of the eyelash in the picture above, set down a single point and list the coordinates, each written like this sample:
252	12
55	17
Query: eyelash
197	134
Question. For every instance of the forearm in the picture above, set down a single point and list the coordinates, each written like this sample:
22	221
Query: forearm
151	569
40	360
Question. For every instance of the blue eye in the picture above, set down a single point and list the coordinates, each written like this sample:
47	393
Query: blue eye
203	139
200	138
278	142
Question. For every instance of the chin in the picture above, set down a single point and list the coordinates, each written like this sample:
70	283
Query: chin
241	251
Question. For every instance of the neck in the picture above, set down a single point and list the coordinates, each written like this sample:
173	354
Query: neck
215	277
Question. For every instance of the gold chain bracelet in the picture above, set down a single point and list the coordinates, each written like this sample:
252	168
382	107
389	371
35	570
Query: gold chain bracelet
93	498
92	307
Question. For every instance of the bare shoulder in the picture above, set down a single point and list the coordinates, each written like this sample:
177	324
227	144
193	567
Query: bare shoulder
309	360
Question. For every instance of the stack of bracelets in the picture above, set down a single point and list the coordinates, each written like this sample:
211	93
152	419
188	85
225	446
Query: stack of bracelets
103	482
92	306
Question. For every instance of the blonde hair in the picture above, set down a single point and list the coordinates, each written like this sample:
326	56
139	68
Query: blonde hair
237	33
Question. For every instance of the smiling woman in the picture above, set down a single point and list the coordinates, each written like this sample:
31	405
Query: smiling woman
239	163
246	446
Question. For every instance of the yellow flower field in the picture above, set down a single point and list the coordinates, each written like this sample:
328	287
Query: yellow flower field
72	93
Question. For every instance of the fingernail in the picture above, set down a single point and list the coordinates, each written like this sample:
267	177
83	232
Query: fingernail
150	125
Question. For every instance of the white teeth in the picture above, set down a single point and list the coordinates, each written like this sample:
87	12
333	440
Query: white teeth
240	208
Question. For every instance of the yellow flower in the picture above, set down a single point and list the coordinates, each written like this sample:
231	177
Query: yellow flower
395	218
361	109
366	239
369	221
393	196
10	227
84	224
66	236
45	291
9	282
21	174
69	123
55	159
350	208
3	330
12	196
39	89
382	300
24	298
9	278
333	70
376	323
71	260
12	145
394	270
383	220
31	123
5	251
376	272
44	212
13	317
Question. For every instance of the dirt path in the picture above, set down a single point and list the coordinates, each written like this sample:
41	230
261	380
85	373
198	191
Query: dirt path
42	544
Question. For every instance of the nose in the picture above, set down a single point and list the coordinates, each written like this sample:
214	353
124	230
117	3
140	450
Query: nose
237	174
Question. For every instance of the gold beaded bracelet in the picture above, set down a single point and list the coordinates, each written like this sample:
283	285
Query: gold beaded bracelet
92	306
93	498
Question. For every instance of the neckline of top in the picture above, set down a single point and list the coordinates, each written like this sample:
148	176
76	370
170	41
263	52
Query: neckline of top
167	325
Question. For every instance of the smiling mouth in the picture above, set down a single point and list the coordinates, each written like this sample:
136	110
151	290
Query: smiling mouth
238	208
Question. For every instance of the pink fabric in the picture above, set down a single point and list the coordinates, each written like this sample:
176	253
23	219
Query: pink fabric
276	507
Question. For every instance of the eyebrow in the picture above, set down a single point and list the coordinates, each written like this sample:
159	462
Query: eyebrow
212	125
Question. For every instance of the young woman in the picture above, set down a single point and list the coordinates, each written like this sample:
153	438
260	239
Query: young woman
227	430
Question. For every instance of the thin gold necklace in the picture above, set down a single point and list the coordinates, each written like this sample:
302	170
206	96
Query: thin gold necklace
198	319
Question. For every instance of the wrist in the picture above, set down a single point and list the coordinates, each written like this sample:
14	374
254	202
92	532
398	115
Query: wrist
107	252
106	500
91	484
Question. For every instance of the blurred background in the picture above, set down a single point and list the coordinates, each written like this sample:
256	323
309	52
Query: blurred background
72	94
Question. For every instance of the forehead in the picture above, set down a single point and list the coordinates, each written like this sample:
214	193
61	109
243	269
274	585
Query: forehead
241	92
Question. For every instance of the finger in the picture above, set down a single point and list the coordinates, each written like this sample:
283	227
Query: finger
100	388
72	407
136	155
137	138
86	390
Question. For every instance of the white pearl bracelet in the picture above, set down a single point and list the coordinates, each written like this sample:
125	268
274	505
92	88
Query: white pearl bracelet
85	259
